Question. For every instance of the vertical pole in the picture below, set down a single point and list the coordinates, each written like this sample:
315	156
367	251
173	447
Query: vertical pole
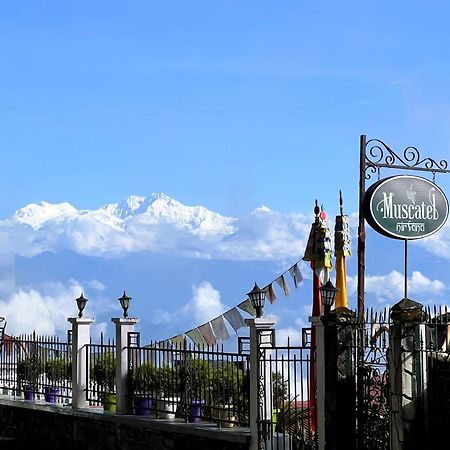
361	227
81	334
406	268
123	327
361	274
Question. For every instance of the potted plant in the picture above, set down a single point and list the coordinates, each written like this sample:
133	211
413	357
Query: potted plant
29	370
56	370
227	392
145	383
196	375
103	372
169	387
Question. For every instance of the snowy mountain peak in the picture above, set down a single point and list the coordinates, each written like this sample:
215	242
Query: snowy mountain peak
35	214
198	219
128	207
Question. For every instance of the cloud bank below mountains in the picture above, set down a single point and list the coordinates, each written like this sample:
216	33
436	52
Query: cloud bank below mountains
156	223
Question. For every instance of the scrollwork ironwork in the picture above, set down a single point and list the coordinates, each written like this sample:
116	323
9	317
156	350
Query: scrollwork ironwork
378	154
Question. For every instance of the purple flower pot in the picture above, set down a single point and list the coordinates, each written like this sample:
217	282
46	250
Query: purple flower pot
195	410
28	393
143	405
51	394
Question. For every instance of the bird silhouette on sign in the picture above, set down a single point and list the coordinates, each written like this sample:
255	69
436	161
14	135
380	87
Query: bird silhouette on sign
411	194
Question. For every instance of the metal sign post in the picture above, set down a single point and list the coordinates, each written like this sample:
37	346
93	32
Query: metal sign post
374	156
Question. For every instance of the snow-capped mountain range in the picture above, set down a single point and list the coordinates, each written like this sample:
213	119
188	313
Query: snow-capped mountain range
156	223
157	208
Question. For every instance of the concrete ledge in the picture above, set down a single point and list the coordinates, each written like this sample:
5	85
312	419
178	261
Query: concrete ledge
205	430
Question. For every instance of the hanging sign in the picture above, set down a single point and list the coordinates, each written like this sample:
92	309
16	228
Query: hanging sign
405	207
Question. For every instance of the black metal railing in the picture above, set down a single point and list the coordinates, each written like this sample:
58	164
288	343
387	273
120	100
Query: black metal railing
37	367
190	382
291	398
101	374
372	356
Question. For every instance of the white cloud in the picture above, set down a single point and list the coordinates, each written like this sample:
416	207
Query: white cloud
99	329
289	334
205	303
161	317
439	243
272	317
43	309
96	285
391	286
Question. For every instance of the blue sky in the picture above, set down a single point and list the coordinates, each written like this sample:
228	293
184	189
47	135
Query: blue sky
230	105
226	104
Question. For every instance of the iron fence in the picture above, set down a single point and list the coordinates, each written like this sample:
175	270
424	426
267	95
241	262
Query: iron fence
101	374
291	400
372	356
39	367
190	382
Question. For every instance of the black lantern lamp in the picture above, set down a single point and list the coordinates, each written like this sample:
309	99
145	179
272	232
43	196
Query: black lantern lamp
125	303
81	303
328	294
257	297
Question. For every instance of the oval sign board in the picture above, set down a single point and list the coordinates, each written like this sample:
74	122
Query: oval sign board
405	207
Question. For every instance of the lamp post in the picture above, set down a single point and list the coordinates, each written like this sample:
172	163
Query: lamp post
81	303
125	303
257	298
328	294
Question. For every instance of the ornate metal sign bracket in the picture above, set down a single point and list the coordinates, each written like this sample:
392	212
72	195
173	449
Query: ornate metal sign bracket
374	156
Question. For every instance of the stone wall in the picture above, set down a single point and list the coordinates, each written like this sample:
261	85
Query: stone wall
41	426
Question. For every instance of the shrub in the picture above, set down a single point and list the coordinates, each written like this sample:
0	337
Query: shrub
227	383
29	369
169	381
145	379
58	369
103	371
279	390
196	376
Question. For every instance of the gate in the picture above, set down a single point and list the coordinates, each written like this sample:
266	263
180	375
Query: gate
372	355
288	391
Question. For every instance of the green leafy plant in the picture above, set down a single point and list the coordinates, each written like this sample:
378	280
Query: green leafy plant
145	379
103	371
196	378
29	369
168	381
227	384
58	369
279	390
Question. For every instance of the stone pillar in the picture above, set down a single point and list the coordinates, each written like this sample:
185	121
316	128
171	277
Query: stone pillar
405	372
340	379
123	327
261	332
81	336
319	341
